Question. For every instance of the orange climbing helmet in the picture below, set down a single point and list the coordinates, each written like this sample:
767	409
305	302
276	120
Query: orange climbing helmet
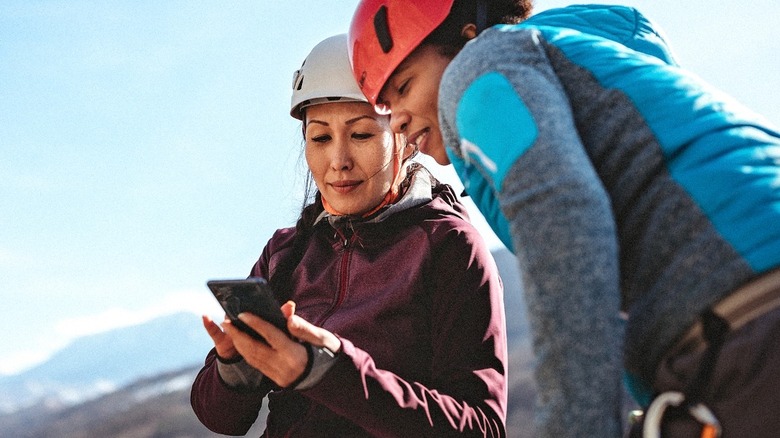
384	32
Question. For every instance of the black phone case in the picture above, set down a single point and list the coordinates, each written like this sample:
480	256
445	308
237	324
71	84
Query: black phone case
251	295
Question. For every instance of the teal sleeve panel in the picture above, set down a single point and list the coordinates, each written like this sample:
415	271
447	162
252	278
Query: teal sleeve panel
481	192
721	153
495	128
624	25
754	183
640	390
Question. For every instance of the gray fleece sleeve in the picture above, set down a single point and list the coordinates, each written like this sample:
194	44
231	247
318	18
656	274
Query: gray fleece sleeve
239	374
560	220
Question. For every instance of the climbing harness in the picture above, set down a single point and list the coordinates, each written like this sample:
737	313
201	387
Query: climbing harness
746	304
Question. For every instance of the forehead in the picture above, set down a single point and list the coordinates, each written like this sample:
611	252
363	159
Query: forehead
344	114
424	60
334	110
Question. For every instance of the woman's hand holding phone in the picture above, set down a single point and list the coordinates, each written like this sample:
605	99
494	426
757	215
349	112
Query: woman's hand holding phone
279	358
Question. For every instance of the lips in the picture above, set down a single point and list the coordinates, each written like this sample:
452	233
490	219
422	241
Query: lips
418	138
345	186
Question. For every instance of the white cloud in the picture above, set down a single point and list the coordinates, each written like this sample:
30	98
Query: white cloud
66	330
196	302
22	360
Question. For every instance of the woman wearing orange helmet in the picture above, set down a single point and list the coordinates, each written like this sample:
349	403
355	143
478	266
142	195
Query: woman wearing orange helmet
385	272
643	206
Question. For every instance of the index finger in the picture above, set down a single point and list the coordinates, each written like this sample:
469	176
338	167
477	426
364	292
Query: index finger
268	331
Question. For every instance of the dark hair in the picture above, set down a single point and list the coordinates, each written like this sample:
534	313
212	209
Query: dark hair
281	279
447	36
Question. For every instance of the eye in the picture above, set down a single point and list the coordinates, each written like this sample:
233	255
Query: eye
404	87
322	138
362	135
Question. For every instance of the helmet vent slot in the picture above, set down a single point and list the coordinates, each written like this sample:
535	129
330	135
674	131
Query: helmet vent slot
383	30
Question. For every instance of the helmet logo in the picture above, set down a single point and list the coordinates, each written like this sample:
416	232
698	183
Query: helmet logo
298	77
297	80
382	29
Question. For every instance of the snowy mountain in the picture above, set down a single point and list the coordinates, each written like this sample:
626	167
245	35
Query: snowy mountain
152	407
102	363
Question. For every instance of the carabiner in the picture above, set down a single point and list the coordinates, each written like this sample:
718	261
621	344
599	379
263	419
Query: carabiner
701	413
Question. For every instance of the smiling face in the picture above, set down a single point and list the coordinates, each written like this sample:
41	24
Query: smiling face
412	95
349	150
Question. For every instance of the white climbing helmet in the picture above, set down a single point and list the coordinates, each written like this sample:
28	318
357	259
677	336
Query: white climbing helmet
325	76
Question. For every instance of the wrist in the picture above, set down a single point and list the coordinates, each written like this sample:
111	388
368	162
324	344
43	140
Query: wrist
238	374
229	360
320	361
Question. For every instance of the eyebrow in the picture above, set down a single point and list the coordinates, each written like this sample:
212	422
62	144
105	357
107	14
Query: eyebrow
364	116
348	122
405	65
400	69
393	76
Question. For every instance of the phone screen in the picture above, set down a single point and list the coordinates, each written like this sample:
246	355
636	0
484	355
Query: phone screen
251	295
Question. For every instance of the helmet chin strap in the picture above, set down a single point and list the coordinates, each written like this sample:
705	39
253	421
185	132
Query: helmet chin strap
392	195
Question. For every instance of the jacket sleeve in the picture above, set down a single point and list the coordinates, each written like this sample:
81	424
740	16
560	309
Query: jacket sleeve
467	394
274	251
563	230
220	408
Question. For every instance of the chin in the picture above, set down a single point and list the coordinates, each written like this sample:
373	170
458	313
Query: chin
350	211
439	156
442	160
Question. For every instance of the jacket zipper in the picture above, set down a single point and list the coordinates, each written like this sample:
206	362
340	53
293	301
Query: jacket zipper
343	269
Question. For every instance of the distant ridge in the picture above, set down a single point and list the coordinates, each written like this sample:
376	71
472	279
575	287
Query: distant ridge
101	363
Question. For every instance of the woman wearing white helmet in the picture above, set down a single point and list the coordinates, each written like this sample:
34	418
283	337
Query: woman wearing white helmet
393	299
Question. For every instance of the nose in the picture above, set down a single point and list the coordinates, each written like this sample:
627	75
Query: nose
399	121
341	156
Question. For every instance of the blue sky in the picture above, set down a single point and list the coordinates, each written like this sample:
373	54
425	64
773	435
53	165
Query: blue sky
146	146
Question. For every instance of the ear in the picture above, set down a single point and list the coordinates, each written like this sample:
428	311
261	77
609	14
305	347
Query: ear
469	31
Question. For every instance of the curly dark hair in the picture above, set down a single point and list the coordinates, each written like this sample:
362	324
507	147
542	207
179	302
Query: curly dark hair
447	36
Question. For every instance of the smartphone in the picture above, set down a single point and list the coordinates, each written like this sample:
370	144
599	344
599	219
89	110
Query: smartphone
251	295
